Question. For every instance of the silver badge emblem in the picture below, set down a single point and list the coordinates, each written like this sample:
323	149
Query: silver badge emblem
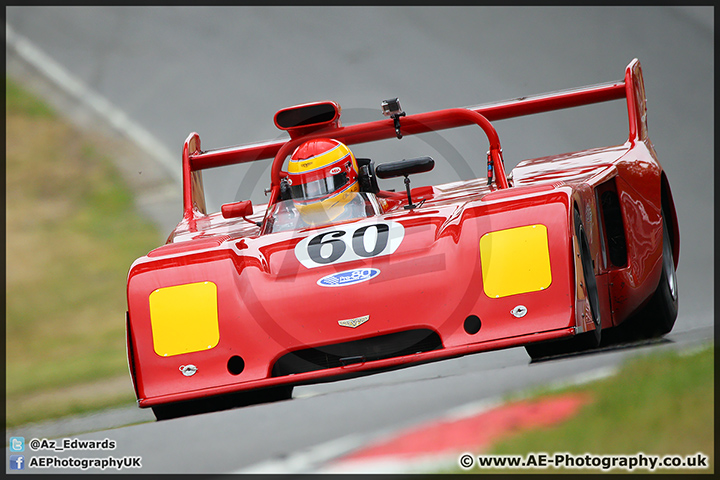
188	370
354	322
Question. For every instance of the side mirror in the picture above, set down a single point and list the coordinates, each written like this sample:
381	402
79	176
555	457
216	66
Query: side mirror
404	168
237	209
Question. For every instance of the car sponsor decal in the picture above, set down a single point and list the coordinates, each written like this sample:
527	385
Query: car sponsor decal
345	243
354	322
188	370
349	277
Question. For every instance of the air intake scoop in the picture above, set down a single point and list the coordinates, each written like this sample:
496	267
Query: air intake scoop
308	117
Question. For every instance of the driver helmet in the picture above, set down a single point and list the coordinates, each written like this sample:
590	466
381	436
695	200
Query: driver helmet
323	177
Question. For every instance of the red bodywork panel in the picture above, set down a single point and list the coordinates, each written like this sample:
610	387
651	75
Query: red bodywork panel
428	283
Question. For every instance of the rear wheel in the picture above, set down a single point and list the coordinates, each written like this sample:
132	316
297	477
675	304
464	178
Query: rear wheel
582	341
657	318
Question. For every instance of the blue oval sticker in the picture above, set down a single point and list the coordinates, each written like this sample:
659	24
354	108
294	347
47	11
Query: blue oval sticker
349	277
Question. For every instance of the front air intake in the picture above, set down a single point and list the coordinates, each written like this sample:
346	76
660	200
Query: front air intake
357	351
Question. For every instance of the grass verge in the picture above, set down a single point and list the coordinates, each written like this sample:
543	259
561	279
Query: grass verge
72	231
657	404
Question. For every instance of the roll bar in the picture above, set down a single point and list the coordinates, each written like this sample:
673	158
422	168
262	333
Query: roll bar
631	88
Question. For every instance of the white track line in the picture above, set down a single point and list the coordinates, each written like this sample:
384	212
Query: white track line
328	457
100	105
308	460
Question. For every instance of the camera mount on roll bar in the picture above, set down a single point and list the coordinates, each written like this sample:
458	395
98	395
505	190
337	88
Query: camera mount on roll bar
391	108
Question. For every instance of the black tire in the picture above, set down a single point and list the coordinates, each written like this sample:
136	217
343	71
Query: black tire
172	410
592	339
582	341
223	402
657	317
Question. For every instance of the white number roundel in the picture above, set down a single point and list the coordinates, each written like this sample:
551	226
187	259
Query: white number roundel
345	243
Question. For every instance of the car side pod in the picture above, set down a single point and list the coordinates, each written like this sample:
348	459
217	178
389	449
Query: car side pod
404	168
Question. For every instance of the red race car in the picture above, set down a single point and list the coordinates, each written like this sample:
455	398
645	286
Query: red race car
335	277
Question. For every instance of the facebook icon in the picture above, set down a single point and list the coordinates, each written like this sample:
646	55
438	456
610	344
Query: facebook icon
17	462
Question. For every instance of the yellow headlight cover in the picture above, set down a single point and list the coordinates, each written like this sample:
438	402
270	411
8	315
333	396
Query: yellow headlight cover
184	318
514	261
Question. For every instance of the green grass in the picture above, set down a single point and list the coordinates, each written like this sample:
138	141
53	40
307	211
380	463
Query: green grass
72	232
658	404
19	101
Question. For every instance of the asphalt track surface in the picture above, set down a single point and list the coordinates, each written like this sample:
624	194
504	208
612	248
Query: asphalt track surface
223	72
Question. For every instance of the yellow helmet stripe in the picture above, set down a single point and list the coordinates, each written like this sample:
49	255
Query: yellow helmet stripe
313	163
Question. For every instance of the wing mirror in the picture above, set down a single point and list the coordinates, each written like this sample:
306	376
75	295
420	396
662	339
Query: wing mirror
237	209
403	169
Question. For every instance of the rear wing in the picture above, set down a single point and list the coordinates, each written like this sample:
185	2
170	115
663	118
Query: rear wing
630	88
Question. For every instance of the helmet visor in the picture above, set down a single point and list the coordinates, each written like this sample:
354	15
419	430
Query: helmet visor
320	187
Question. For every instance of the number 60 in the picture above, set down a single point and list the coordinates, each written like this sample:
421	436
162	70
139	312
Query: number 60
352	242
